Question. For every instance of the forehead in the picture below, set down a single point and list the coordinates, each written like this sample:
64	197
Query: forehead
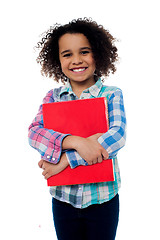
73	41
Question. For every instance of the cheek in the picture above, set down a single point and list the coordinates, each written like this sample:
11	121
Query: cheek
63	65
90	60
92	63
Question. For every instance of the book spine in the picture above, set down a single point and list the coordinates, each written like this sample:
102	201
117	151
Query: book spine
106	112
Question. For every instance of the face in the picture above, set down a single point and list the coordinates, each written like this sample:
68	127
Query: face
76	58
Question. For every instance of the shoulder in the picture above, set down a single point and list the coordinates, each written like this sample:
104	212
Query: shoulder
53	95
111	91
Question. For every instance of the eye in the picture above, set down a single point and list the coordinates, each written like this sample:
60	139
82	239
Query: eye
85	52
67	55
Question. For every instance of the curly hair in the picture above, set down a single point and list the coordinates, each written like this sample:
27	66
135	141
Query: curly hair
101	41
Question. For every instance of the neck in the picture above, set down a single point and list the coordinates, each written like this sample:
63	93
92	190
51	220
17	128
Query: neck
79	87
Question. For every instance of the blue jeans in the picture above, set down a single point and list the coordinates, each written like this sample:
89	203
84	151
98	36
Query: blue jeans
96	222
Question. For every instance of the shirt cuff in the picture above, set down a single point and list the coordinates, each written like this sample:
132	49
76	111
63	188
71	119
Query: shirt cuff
75	159
54	151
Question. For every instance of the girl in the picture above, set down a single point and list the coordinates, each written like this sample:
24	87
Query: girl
79	54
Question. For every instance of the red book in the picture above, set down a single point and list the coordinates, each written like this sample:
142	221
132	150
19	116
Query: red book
83	117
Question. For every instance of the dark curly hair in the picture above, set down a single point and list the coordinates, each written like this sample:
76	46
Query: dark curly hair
101	41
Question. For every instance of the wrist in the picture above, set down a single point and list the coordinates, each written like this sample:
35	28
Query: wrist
71	142
63	162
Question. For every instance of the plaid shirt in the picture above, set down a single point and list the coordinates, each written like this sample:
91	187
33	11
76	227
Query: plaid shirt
49	144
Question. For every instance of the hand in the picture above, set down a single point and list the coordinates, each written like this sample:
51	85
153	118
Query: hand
91	150
51	169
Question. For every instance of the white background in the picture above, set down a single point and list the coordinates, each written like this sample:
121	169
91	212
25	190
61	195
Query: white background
25	202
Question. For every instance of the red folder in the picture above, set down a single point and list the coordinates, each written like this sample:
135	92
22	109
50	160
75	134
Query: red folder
83	117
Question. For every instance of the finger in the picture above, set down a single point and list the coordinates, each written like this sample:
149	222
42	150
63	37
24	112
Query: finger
43	166
40	163
95	161
44	172
90	163
47	176
100	159
105	154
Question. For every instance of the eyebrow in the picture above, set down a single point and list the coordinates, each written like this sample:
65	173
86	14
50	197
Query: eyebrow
83	48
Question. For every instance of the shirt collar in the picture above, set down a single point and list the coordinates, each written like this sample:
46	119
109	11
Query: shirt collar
67	88
93	90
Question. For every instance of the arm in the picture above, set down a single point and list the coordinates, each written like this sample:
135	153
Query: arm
88	148
114	139
91	146
47	142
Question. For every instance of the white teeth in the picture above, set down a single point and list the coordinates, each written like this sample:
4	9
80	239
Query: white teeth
78	70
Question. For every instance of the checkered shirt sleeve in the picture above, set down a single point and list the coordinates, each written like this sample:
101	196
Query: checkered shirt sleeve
47	142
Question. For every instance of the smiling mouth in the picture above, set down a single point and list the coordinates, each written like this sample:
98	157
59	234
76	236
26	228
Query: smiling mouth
76	70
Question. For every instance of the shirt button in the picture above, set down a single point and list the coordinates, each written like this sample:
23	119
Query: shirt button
53	158
80	188
48	156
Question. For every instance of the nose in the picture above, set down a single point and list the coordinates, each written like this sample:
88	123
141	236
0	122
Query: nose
76	60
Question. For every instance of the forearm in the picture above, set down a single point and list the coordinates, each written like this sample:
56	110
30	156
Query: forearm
113	140
46	142
86	151
71	142
73	158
